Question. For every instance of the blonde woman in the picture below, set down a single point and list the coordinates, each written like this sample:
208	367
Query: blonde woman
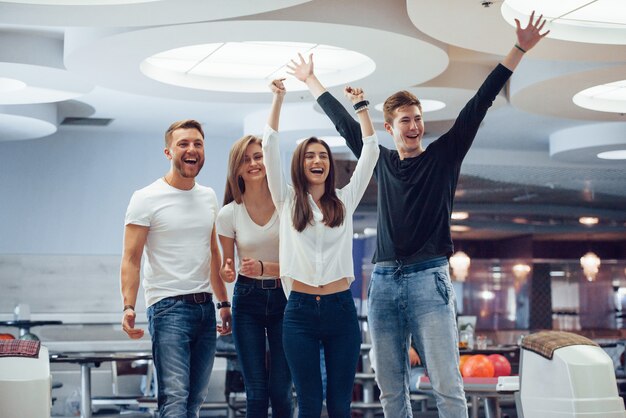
248	222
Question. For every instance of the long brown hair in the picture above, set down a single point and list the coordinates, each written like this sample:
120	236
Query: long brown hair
235	186
332	208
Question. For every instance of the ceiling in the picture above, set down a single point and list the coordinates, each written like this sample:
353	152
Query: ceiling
532	169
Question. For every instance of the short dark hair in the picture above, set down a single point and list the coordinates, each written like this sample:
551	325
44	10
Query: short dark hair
182	124
398	100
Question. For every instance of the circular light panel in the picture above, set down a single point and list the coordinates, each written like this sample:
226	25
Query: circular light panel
610	97
250	66
428	105
10	84
599	21
613	155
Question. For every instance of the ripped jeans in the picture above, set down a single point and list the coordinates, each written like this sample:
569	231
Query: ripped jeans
415	300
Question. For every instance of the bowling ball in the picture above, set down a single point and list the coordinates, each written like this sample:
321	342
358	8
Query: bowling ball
462	361
6	337
501	365
477	366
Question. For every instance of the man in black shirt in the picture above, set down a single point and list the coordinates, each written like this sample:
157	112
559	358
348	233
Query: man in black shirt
410	291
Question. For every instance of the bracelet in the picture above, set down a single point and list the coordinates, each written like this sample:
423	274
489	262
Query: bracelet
359	105
520	48
360	109
260	262
131	307
225	304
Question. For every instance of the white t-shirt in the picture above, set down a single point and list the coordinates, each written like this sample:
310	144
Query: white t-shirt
319	254
251	239
177	254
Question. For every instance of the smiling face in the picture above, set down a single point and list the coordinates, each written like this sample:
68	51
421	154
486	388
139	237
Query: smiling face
407	130
186	151
316	164
252	167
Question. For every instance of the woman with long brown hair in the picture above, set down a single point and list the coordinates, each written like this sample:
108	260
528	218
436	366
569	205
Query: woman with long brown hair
248	221
316	259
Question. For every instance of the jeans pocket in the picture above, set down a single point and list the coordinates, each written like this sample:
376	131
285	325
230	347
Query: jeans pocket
164	306
442	286
242	290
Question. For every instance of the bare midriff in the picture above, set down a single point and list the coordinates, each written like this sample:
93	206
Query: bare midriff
327	289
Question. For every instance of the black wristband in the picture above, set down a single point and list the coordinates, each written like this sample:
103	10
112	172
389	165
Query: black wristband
260	262
361	104
225	304
520	48
128	307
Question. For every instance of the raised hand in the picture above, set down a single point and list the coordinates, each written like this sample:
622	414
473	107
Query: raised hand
250	267
529	36
227	272
354	94
278	87
303	69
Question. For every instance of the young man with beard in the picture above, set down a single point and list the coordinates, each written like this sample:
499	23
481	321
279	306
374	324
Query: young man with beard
172	222
410	292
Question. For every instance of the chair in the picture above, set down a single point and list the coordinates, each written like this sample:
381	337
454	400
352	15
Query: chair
25	386
121	396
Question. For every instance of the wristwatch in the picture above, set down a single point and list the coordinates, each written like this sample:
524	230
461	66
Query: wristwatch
225	304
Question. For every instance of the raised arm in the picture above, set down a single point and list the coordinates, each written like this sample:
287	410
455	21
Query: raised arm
355	189
271	151
345	124
134	240
527	38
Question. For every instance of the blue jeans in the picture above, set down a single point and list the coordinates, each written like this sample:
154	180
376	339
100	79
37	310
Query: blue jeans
257	312
183	347
331	320
418	300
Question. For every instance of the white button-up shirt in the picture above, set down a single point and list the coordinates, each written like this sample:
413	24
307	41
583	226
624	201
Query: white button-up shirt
319	254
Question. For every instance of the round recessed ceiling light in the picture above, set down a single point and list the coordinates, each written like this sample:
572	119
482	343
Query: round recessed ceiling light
459	228
250	66
599	21
609	97
588	220
428	105
10	84
613	155
459	216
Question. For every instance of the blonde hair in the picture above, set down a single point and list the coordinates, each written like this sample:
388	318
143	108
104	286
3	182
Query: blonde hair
235	186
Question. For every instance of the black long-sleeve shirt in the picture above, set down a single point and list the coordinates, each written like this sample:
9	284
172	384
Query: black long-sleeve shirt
415	195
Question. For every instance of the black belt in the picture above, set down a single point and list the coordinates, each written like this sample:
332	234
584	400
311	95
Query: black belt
267	284
201	297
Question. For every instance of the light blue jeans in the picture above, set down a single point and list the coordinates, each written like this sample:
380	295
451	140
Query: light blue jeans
183	346
418	300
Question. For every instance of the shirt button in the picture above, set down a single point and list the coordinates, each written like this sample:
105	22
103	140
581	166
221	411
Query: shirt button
317	298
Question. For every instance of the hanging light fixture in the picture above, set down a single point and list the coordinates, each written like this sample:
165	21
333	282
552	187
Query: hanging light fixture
590	264
520	271
460	263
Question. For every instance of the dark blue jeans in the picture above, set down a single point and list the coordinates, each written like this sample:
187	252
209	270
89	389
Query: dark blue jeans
331	320
183	347
258	313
